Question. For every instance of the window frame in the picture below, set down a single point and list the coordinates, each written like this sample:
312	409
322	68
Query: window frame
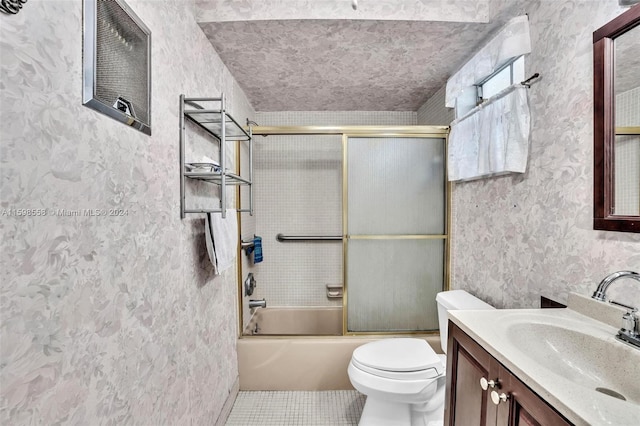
510	65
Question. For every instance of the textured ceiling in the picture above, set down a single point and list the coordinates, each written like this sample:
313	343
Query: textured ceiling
321	55
342	65
381	10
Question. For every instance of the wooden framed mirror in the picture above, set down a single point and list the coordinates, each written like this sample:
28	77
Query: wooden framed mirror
616	123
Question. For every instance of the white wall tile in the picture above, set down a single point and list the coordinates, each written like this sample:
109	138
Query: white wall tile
434	112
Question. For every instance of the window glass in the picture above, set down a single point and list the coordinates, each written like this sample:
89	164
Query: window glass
510	74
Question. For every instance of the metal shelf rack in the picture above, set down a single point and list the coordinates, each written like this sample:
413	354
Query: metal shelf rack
210	115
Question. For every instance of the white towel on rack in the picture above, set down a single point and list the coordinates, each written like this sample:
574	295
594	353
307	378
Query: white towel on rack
463	149
224	235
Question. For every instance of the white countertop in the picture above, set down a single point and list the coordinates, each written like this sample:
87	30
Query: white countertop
579	403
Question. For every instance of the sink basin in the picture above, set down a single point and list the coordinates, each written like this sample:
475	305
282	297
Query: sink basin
593	360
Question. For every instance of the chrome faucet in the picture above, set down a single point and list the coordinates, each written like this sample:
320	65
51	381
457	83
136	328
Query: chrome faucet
630	331
609	279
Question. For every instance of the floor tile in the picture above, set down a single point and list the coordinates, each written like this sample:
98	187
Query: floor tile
301	408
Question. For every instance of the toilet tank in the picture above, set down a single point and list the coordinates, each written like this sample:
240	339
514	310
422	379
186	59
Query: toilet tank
455	300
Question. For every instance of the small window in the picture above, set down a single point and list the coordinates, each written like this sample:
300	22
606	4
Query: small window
504	77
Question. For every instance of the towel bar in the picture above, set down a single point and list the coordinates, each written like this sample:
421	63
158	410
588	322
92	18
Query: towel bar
284	238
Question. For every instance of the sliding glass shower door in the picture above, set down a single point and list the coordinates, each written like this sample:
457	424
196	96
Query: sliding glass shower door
396	232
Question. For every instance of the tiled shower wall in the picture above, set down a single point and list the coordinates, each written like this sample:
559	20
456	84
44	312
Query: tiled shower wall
518	237
433	112
109	319
299	191
336	118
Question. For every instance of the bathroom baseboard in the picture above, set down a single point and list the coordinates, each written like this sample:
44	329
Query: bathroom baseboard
228	404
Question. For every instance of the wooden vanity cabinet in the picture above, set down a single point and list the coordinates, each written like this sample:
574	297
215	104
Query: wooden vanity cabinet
467	404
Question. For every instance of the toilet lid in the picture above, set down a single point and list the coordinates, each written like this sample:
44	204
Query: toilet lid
399	355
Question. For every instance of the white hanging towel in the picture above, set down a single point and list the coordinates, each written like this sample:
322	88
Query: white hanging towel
211	251
224	239
492	139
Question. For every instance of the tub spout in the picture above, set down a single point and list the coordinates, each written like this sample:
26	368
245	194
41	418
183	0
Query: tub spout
257	303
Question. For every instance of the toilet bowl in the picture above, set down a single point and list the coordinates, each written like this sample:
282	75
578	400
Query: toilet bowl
403	378
400	377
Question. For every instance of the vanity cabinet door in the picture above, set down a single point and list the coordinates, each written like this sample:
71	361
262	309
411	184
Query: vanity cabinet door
466	403
523	407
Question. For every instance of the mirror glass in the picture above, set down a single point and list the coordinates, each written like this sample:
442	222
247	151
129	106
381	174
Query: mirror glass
626	200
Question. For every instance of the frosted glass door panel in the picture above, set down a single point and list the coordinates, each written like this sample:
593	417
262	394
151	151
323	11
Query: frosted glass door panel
393	284
396	186
298	191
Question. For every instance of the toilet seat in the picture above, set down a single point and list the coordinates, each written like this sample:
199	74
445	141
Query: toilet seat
400	359
427	374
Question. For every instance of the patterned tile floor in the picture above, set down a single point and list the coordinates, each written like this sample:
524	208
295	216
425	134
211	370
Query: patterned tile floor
318	408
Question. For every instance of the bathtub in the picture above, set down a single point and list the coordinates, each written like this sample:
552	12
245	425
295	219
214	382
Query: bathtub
286	321
281	357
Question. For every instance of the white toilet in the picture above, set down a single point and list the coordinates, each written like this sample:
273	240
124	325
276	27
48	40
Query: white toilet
403	378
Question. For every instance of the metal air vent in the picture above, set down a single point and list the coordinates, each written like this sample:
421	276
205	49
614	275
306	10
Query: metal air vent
117	63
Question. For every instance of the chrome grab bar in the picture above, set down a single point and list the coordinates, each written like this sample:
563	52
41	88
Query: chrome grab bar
284	238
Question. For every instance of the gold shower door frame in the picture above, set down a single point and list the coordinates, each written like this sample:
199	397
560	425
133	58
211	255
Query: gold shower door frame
426	132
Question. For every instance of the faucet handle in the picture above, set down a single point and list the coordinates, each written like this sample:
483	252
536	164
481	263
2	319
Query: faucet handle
630	323
629	320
